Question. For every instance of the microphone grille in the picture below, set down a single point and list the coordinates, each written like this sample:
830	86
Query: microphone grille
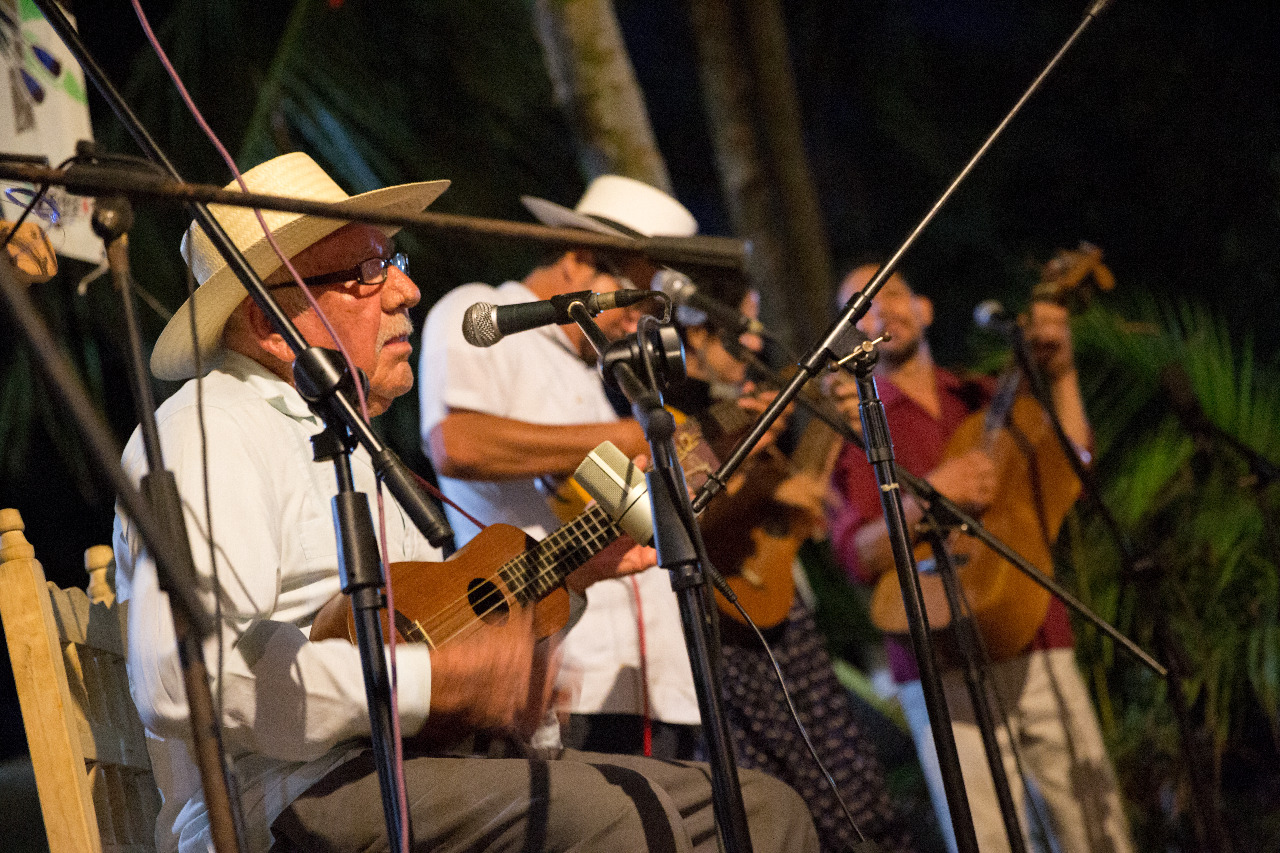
675	284
480	325
607	476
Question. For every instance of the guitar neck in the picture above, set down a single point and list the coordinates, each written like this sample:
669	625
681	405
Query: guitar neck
536	572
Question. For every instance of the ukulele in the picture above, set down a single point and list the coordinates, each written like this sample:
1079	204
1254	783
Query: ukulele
1037	487
501	568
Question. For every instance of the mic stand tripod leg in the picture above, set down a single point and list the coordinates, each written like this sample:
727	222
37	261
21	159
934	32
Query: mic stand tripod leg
879	447
975	679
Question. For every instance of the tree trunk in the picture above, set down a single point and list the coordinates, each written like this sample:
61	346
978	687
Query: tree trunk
595	84
756	130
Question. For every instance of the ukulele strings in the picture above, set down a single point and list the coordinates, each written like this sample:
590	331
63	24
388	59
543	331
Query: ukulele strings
447	618
469	613
548	566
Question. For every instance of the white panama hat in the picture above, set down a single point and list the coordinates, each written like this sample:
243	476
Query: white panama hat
623	207
219	291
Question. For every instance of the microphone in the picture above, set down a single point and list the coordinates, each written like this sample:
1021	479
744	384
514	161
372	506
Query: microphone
990	316
619	487
485	324
683	291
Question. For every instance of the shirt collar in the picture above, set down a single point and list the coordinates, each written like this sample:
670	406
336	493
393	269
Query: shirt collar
280	395
891	394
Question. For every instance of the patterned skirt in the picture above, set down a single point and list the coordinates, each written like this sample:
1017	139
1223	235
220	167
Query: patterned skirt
767	739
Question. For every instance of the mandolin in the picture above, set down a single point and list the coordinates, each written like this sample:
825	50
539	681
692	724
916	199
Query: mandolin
755	538
1037	487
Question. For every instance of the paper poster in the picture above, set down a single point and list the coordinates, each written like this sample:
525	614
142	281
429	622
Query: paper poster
44	110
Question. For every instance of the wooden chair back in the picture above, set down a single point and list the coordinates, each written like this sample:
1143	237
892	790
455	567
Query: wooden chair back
87	744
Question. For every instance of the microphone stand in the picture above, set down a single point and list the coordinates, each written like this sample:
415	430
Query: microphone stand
678	541
320	382
112	219
1143	569
834	344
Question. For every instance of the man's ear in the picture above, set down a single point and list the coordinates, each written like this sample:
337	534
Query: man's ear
577	261
271	341
925	306
696	336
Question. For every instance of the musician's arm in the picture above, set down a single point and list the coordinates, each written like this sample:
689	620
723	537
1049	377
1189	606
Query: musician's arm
470	445
858	530
1049	336
1068	402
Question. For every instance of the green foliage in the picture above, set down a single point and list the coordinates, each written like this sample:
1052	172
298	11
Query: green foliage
1192	504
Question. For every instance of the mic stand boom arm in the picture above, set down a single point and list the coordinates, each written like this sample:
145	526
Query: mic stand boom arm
716	253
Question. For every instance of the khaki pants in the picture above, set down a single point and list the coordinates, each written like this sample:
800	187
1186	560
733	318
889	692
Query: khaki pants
581	801
1058	737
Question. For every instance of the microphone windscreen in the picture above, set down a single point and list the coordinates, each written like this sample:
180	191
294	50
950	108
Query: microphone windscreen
619	487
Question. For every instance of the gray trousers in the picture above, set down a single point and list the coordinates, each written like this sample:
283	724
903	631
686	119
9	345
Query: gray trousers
581	801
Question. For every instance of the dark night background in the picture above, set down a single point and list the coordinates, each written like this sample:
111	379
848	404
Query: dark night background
1157	139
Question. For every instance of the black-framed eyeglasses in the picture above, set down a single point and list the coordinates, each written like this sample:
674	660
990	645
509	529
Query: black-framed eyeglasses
371	272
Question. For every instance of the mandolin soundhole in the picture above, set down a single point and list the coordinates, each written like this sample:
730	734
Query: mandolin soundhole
486	600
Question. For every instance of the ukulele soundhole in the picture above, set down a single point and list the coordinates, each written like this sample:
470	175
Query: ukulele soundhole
486	600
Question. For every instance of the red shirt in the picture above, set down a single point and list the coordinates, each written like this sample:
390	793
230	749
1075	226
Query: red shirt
919	440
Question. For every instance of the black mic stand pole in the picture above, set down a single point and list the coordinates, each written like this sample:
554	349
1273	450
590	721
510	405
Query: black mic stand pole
112	219
879	448
360	573
678	541
832	346
320	382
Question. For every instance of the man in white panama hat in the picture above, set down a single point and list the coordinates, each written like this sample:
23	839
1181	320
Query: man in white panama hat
293	712
502	423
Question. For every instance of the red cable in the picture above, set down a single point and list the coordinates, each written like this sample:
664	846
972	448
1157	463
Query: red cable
646	722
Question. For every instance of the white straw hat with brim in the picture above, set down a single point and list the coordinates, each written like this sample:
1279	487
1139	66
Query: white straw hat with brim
219	291
623	207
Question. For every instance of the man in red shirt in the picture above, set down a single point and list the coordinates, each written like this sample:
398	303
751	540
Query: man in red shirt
1049	712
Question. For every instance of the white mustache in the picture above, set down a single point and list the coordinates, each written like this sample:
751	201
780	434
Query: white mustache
399	325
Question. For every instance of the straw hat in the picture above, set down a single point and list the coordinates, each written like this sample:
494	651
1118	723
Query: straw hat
220	291
620	206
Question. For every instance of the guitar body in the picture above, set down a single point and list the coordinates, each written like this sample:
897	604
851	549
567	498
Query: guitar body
438	602
756	562
753	539
1037	489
